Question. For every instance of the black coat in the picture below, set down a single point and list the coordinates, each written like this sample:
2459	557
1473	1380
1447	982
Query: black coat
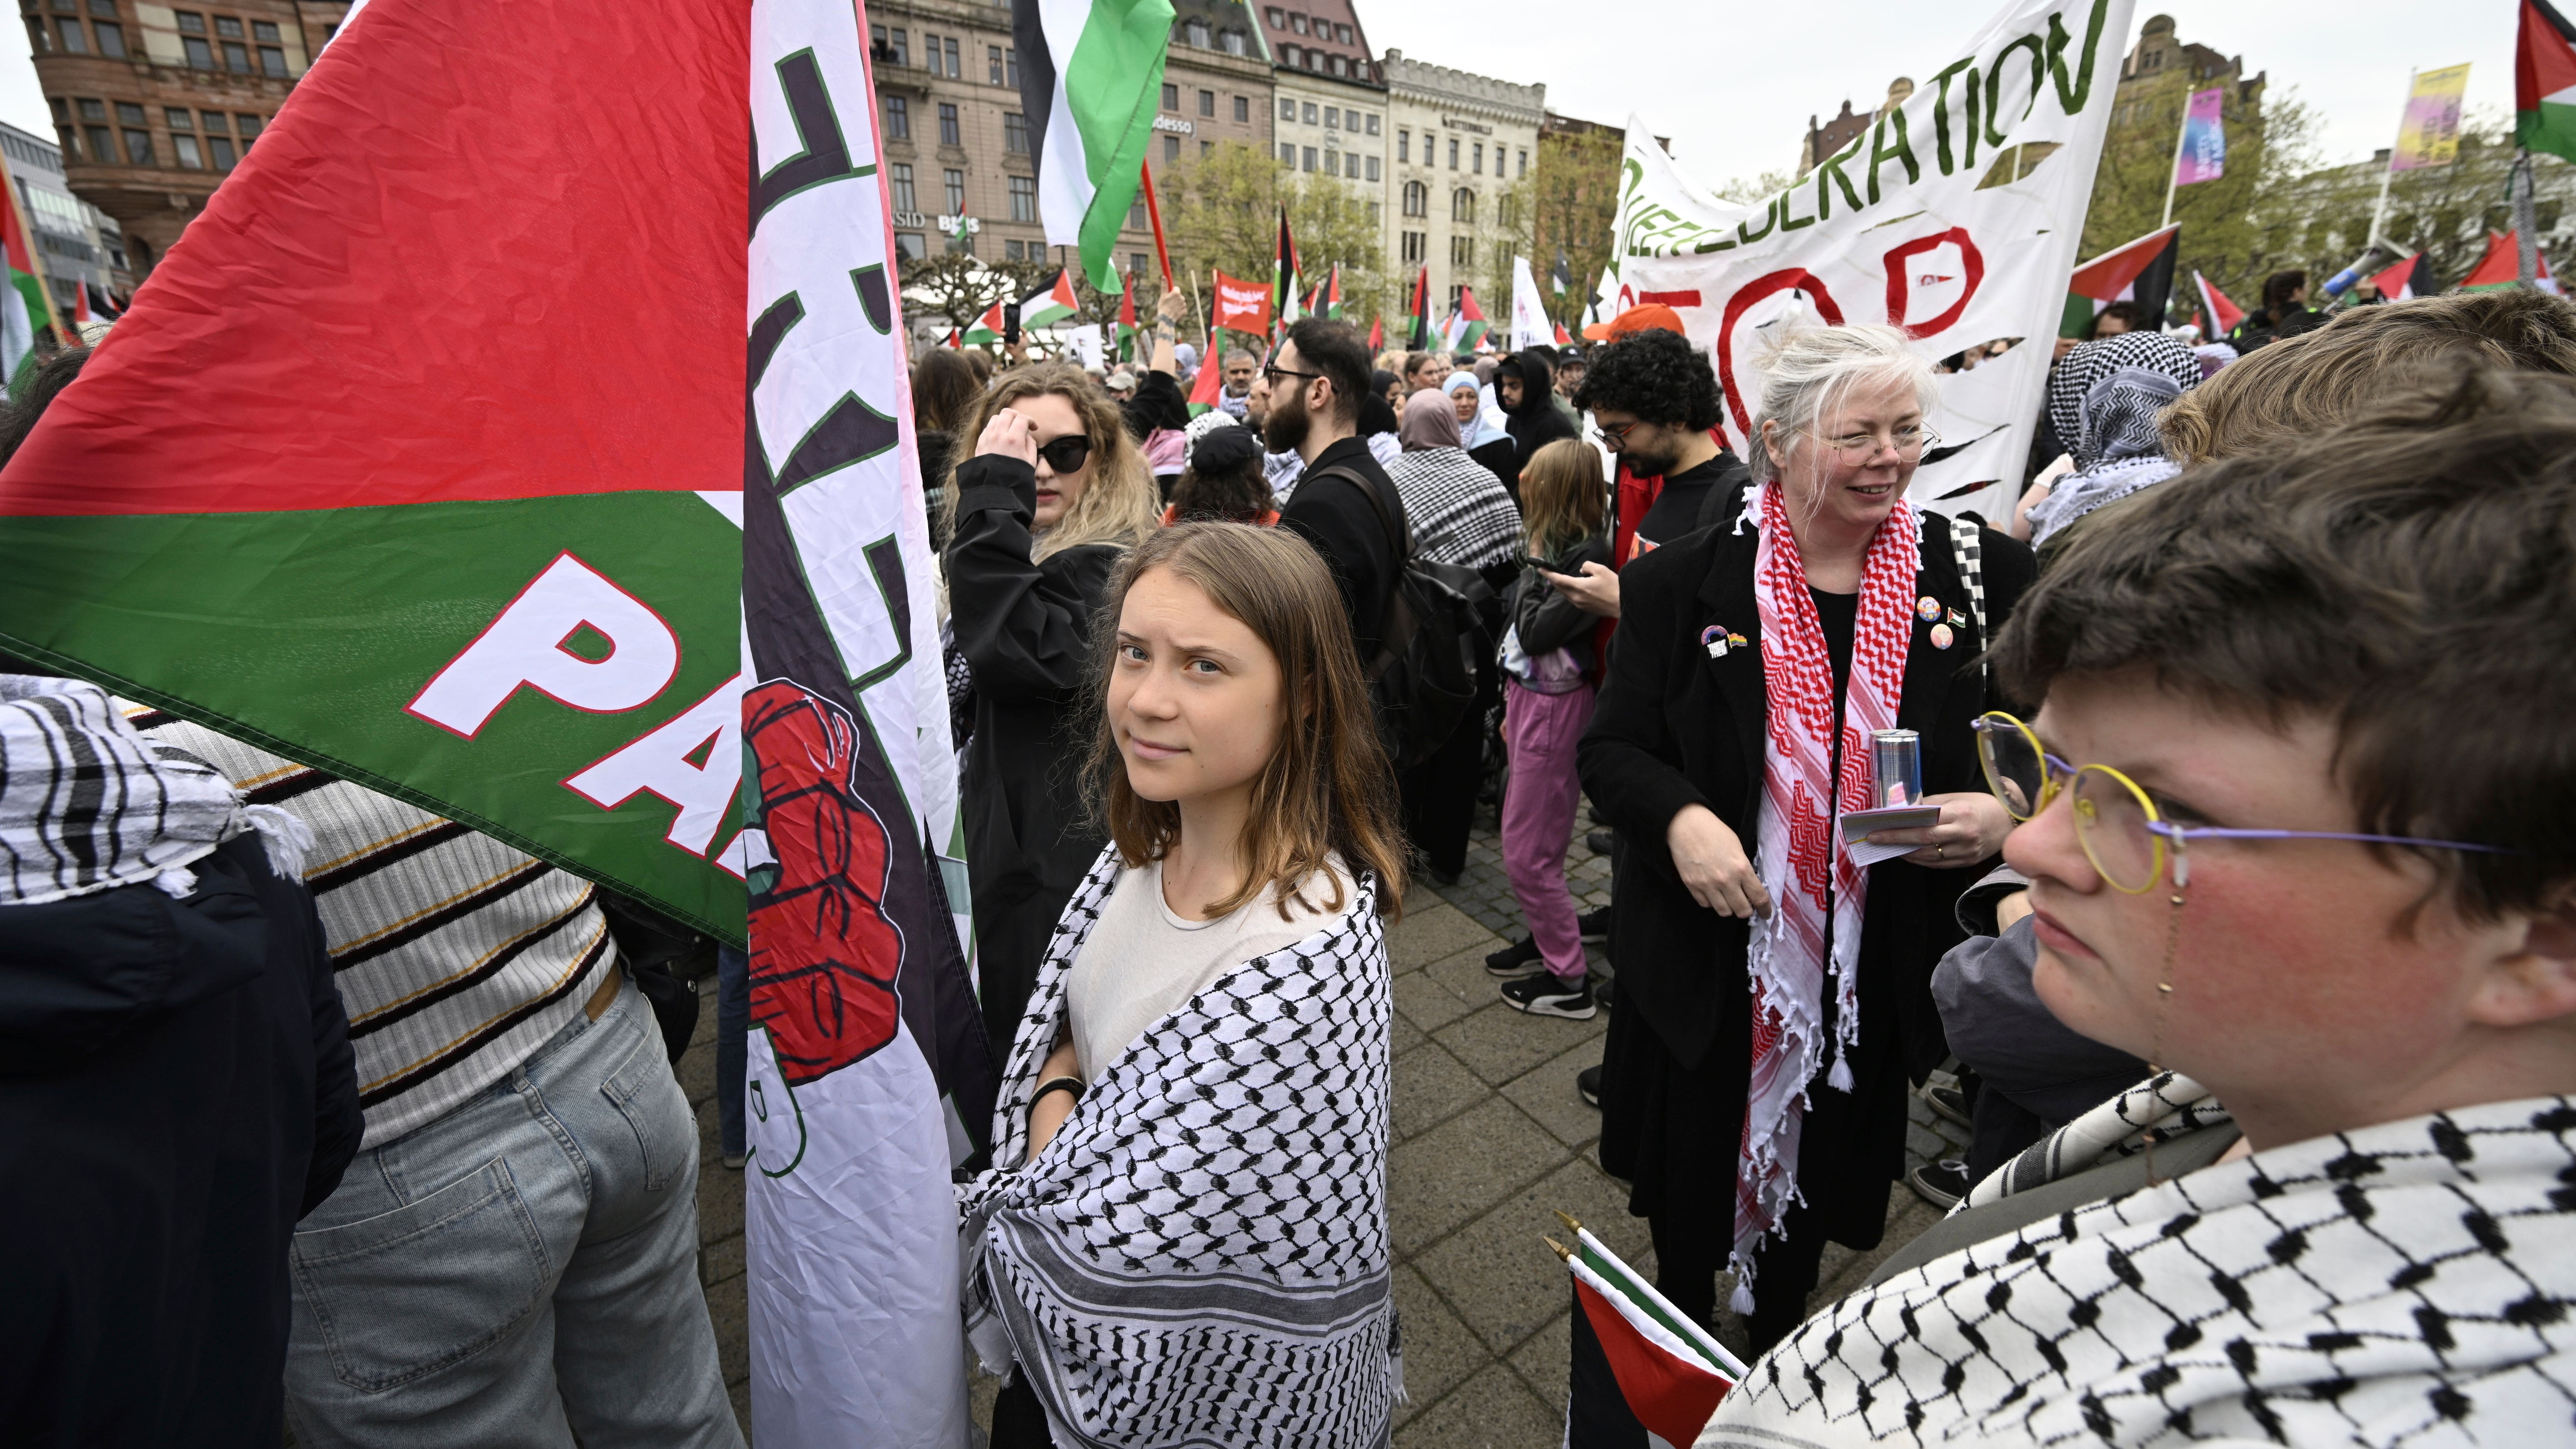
1025	630
1336	517
1536	422
1675	727
176	1090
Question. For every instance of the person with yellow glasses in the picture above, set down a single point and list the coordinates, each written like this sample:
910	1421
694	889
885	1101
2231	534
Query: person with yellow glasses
2294	815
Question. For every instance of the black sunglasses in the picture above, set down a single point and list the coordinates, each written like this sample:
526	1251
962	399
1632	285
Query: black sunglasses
1272	375
1067	454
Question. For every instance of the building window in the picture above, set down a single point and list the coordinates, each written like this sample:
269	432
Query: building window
1339	66
1341	33
1480	158
228	33
39	39
1310	112
130	114
1309	159
220	148
1171	97
1453	153
898	118
1417	199
930	52
111	38
1332	162
956	181
900	51
948	124
1462	205
1372	123
1136	213
1288	54
1024	198
955	71
1372	168
1015	133
1350	167
1243	110
185	147
1507	213
992	65
74	43
138	147
1287	109
1404	145
1297	23
179	120
69	140
1206	146
1377	213
1462	252
1171	148
1276	19
910	246
249	128
1332	118
1013	251
272	60
1417	246
1136	264
192	40
899	181
102	146
1287	154
1524	163
1232	42
1195	33
1011	67
1207	103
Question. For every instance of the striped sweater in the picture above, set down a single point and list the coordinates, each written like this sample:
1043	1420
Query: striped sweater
456	956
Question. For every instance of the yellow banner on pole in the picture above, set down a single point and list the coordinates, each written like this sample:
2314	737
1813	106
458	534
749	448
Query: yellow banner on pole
2430	134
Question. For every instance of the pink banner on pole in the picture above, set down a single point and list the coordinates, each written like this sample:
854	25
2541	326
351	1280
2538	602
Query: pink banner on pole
2203	154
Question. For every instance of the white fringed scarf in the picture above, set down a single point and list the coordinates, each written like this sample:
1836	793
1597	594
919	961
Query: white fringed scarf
1813	881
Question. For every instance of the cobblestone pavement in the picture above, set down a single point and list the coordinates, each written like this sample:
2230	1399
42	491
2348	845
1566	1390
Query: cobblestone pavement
1490	1140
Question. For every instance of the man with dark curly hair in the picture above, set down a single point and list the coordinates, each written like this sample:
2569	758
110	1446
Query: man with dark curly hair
1654	398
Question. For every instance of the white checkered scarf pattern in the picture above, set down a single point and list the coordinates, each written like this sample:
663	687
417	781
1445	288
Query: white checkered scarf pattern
1459	511
1798	850
2163	1106
2404	1284
1201	1255
87	804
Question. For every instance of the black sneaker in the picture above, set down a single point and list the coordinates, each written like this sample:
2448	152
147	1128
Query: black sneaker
1543	993
1601	986
1595	925
1949	1102
1598	840
1513	960
1587	1085
1941	1183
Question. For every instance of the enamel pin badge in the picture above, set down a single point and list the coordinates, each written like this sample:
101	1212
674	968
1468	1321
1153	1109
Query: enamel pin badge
1717	640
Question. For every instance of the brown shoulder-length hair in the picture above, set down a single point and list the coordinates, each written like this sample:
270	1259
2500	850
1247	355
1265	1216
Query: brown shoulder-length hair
1328	787
1119	503
1562	496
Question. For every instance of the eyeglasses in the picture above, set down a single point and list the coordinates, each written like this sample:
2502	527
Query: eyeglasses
2119	827
1271	374
1616	437
1909	442
1067	454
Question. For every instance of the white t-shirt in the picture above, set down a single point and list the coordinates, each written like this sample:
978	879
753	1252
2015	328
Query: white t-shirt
1142	960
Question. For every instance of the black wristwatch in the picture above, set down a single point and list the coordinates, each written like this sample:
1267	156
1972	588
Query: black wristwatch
1057	1084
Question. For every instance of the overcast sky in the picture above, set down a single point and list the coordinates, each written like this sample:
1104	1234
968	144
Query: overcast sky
1734	85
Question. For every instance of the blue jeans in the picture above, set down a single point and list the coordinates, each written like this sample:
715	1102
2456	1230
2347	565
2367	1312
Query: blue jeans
733	1033
520	1272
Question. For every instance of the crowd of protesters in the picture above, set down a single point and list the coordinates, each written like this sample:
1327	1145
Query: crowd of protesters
2237	902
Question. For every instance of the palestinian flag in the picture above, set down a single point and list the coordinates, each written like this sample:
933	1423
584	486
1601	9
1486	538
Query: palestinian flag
2218	315
101	305
1328	296
1420	340
1466	326
1285	277
1091	83
2407	280
2502	267
1049	302
986	330
27	308
1377	333
1562	278
1126	317
1561	339
2142	271
1669	1370
1211	381
2544	81
954	342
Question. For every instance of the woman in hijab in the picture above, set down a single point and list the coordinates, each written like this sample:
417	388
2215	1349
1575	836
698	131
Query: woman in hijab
2104	399
1522	386
1480	433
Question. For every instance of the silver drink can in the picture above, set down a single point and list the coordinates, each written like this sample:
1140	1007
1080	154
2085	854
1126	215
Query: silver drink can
1896	767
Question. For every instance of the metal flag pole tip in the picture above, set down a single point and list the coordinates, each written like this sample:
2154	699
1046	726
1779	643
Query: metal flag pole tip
1567	1218
1562	1251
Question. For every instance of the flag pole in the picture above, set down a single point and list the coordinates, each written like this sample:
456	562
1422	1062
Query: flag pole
2379	210
1154	214
2173	173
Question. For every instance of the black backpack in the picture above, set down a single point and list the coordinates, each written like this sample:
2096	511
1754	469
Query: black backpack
1423	680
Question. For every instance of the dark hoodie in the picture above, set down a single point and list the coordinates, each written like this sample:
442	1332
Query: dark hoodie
176	1090
1536	422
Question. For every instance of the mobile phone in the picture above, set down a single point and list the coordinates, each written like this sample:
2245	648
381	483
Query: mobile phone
1010	323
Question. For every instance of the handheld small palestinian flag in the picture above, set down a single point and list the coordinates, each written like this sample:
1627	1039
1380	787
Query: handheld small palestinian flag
2141	271
1562	340
1091	83
1377	333
1466	326
954	342
1286	278
1049	302
2217	314
1420	340
2502	267
2544	81
986	330
2408	280
1127	317
1328	296
1211	378
1670	1371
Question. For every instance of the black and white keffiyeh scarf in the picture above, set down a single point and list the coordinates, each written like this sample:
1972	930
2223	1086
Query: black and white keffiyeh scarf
89	804
2163	1106
2404	1284
2104	400
1457	507
1201	1255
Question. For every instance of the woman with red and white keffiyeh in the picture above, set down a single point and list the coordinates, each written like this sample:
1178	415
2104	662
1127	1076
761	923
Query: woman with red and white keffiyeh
1774	986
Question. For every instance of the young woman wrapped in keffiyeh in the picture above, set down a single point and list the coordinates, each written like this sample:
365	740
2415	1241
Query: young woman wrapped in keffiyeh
1184	1238
1774	987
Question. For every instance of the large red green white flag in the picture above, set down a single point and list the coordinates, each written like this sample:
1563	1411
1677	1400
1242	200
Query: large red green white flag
2544	81
441	505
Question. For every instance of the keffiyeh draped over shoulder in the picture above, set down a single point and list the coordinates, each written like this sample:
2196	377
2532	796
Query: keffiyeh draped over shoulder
1201	1256
2104	400
2403	1284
